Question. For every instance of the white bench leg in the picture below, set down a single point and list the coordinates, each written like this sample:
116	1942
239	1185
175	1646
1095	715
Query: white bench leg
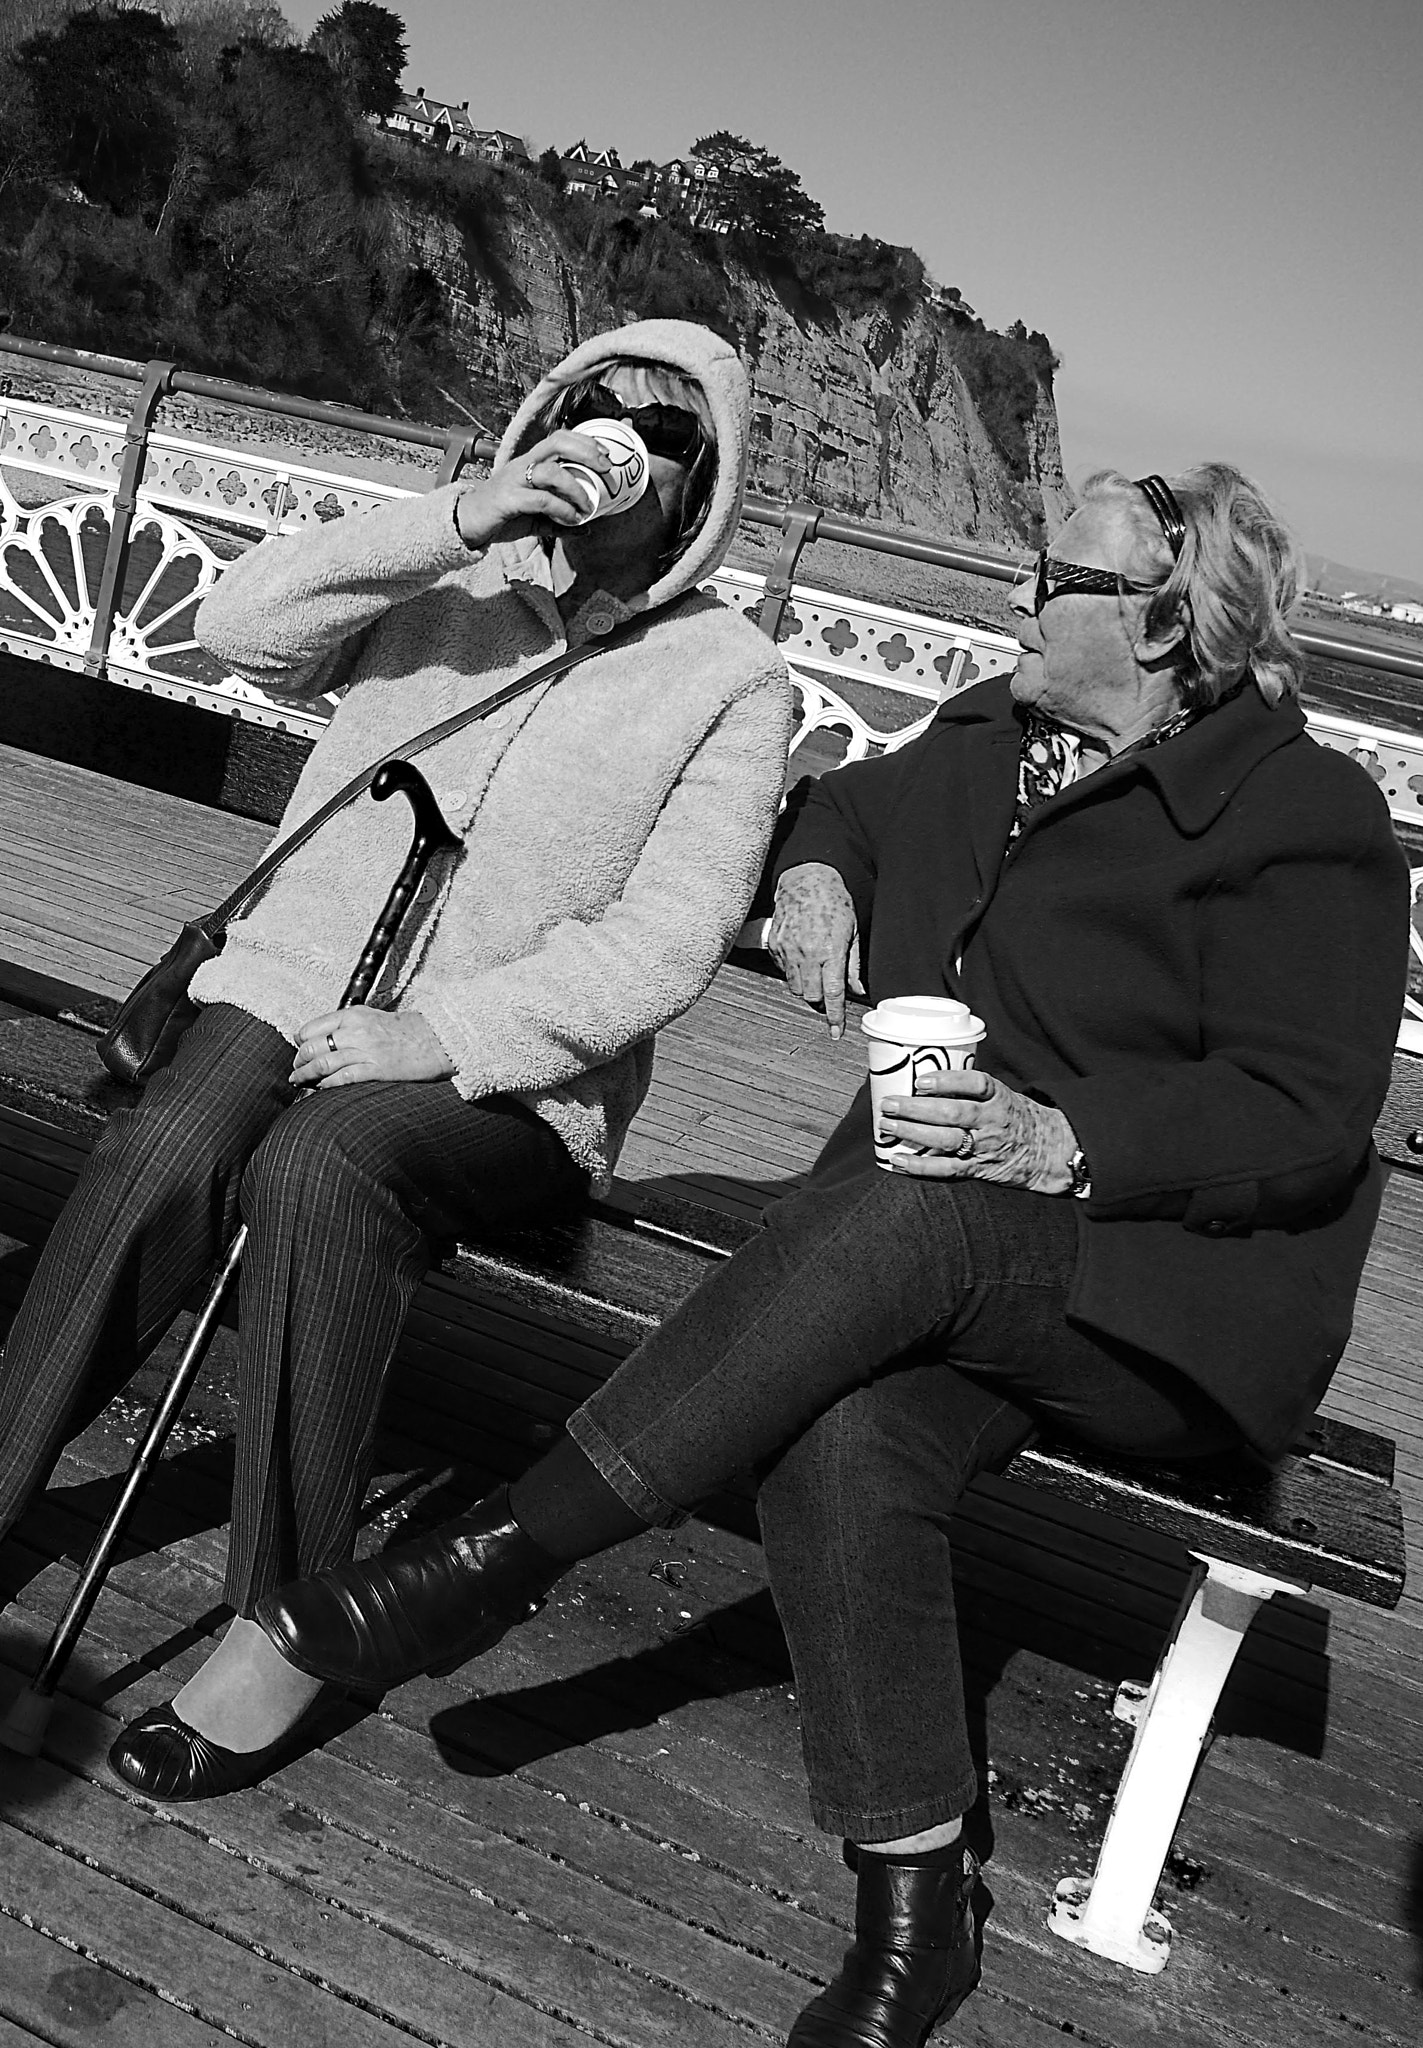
1111	1913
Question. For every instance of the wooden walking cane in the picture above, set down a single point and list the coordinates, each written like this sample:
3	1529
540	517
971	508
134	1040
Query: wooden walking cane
23	1727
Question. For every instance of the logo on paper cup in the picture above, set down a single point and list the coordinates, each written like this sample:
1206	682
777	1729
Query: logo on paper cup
627	479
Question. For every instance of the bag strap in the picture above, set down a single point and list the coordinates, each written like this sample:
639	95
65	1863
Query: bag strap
217	920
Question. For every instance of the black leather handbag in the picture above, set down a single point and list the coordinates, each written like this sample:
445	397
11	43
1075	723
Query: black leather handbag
158	1010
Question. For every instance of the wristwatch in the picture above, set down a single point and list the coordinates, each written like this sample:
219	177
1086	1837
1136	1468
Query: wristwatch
1079	1175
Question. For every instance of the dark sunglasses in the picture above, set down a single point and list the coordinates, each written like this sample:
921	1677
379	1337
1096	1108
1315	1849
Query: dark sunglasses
1073	579
668	430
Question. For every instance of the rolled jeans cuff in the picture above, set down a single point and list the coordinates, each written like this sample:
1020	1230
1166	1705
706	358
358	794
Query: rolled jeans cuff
892	1824
625	1480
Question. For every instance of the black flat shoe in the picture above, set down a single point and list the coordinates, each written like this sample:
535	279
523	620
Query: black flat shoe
419	1607
914	1962
161	1755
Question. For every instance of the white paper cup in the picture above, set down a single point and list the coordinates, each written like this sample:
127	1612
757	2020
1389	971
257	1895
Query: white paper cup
911	1037
627	452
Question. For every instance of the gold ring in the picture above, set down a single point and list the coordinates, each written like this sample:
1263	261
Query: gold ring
331	1040
967	1150
529	473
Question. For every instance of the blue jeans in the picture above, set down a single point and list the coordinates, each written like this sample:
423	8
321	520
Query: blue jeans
879	1343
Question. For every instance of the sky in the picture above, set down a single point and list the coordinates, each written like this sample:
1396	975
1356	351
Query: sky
1211	207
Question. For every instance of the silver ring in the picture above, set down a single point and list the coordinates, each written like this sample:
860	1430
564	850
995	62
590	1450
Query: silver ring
529	473
966	1150
331	1041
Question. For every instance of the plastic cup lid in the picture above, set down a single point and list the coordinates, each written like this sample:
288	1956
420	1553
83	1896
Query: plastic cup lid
922	1020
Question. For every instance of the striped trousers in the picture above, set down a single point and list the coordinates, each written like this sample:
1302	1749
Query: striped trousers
343	1191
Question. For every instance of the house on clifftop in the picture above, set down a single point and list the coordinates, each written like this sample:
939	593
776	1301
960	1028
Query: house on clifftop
449	128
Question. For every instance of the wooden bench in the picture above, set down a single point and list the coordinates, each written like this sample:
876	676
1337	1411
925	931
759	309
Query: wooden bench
1326	1519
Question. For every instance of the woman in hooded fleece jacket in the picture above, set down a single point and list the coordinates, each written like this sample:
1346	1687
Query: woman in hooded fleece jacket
614	825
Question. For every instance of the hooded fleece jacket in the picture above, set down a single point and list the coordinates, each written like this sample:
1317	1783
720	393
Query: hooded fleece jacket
614	820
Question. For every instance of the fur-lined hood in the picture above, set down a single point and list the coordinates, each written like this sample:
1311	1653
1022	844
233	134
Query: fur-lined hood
708	361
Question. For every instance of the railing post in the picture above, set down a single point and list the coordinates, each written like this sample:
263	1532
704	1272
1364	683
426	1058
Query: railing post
460	447
799	525
157	377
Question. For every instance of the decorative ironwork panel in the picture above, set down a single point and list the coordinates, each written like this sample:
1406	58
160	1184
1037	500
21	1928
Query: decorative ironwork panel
849	638
867	678
1413	1006
829	731
1394	759
257	491
73	445
51	561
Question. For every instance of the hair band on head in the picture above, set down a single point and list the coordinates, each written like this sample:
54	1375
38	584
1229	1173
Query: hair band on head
1162	500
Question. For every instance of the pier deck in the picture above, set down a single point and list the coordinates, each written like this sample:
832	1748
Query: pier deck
600	1830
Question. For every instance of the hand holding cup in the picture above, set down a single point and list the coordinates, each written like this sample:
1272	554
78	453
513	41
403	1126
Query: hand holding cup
964	1124
532	491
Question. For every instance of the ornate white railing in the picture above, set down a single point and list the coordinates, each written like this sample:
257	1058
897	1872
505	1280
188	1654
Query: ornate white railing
868	677
1410	1031
196	507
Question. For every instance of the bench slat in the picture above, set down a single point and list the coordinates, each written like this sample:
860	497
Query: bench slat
1302	1519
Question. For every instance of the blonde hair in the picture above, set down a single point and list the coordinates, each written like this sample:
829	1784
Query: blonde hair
1231	586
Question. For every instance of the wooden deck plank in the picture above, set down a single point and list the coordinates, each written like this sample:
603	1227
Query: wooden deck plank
1350	1982
337	1913
1286	1903
588	1769
55	1991
487	1903
164	1946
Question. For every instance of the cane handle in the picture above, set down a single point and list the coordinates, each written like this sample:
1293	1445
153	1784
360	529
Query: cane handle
431	836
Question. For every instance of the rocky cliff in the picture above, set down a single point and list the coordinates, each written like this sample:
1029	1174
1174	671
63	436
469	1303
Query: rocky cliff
862	412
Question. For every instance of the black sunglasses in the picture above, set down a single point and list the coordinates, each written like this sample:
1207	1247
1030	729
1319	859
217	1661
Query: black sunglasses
668	430
1074	579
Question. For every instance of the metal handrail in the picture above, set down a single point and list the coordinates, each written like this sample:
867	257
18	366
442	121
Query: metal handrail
223	389
796	523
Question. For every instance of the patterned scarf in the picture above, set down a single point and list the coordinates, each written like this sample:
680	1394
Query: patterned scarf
1050	757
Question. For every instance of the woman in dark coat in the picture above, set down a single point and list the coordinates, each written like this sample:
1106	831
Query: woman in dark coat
1140	1221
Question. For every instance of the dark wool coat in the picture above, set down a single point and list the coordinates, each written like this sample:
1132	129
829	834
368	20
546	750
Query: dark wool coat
1198	954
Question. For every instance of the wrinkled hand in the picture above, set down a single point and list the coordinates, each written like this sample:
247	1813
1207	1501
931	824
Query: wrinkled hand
371	1045
814	939
506	507
1023	1143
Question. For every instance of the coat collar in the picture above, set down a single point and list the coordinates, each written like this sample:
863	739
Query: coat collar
1197	773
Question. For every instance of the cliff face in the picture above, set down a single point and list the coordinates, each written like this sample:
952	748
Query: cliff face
877	420
861	414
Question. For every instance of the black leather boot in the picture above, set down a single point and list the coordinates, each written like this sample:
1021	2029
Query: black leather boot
424	1606
914	1962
